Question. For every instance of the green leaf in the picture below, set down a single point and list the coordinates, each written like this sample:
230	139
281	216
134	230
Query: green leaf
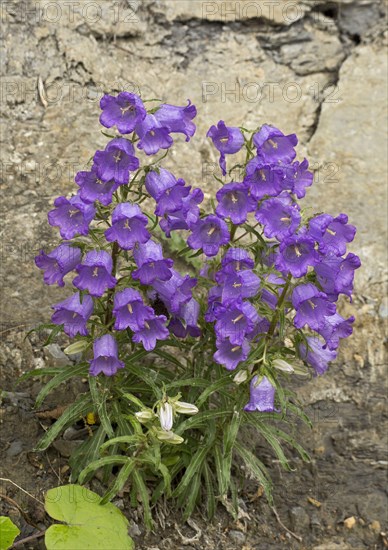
64	374
100	463
200	418
88	523
219	384
267	432
256	468
192	496
8	533
120	480
72	414
86	452
129	439
209	491
99	401
194	467
141	488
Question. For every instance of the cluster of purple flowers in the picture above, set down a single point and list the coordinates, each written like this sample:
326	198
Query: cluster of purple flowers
177	205
305	256
272	184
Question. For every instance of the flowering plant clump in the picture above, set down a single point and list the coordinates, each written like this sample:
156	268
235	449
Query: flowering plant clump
191	319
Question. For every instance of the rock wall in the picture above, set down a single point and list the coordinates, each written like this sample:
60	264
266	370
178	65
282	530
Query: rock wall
316	68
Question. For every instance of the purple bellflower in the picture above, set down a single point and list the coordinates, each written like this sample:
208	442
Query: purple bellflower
262	396
273	146
278	217
116	161
125	111
235	202
57	263
331	233
153	136
185	216
236	286
72	216
178	119
185	323
210	234
296	254
73	314
227	140
93	189
236	259
157	183
297	178
95	273
129	310
176	291
106	356
336	327
151	264
128	226
312	307
230	355
154	329
235	322
336	274
263	179
316	355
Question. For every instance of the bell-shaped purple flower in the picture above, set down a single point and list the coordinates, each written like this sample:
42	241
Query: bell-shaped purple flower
175	291
235	322
273	146
210	234
125	111
278	217
57	263
297	178
332	234
154	330
116	161
262	396
129	310
236	259
106	356
336	327
172	199
178	119
157	183
263	179
230	355
312	307
94	274
72	216
93	189
186	216
236	286
226	139
128	226
296	254
235	202
73	314
151	264
153	136
185	323
336	274
316	354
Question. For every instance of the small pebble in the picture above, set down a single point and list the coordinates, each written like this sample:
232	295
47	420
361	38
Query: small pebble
237	536
350	522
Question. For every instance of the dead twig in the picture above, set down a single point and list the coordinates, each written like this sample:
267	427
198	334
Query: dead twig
297	537
27	539
21	489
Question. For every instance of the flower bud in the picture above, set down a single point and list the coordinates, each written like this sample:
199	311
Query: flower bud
185	408
240	377
169	437
145	416
282	365
166	416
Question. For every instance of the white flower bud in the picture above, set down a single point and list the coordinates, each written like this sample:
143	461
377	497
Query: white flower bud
145	416
240	377
185	408
169	437
166	416
282	365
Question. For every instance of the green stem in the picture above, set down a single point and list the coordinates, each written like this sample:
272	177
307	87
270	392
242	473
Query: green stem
109	305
